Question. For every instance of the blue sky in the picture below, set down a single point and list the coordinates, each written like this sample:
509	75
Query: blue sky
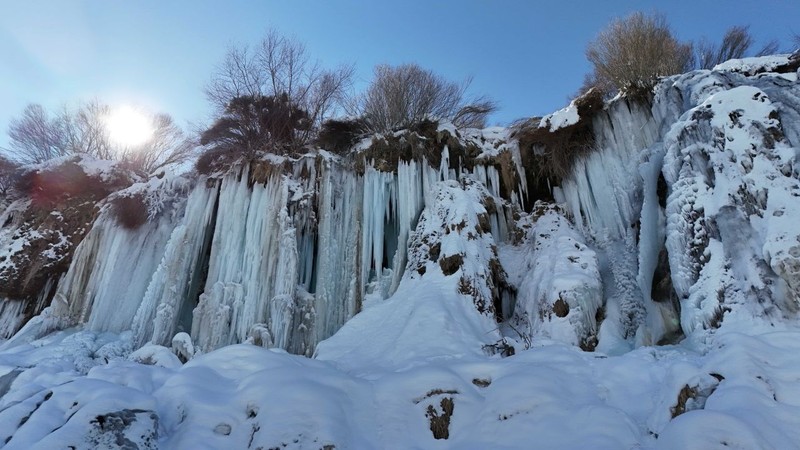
528	55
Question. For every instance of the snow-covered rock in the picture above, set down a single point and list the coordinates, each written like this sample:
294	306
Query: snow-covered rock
559	290
733	203
39	231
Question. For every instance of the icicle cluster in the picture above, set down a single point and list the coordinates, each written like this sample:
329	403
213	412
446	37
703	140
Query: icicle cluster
281	252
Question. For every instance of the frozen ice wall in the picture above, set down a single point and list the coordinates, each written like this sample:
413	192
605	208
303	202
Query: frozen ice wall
734	204
280	252
683	216
113	266
694	189
607	194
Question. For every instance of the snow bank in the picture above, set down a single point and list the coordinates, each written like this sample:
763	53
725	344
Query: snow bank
562	118
758	64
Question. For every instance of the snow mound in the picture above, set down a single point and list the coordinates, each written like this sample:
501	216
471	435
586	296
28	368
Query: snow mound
733	390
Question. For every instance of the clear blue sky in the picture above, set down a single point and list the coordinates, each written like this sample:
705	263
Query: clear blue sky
528	55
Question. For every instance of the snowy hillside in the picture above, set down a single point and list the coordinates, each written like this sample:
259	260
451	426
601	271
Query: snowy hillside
429	289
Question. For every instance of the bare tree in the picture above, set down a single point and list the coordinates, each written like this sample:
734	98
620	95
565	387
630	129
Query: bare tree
633	52
85	130
403	95
238	75
736	43
7	170
168	145
280	66
37	136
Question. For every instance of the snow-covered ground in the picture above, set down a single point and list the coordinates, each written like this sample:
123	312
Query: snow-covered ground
84	390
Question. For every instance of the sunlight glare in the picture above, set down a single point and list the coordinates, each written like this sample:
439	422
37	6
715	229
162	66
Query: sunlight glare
128	126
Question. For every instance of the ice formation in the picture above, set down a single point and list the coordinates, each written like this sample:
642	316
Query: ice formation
447	302
282	252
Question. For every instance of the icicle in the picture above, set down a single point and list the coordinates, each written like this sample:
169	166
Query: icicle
175	286
338	290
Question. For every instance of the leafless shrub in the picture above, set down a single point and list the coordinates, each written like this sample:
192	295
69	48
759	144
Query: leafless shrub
252	124
400	96
339	136
215	159
736	43
130	211
770	48
280	66
633	52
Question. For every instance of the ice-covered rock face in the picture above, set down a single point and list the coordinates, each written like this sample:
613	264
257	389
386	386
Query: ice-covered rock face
722	147
41	229
682	212
280	252
453	241
732	213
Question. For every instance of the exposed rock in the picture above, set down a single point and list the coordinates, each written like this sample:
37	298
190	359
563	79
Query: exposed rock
128	429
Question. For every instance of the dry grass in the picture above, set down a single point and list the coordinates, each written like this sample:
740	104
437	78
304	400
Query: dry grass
451	264
216	160
440	421
684	395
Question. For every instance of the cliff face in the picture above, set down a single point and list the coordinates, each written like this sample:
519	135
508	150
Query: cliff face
678	219
281	251
410	269
42	226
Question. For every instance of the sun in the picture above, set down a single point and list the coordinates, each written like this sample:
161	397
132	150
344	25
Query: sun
129	127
